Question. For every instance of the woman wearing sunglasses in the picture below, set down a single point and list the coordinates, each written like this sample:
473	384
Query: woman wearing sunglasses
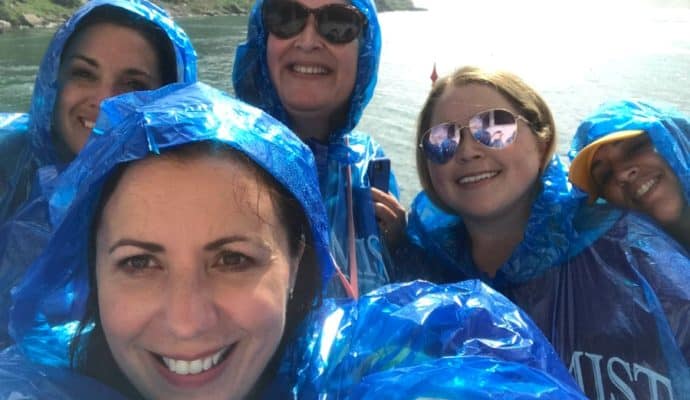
162	281
313	65
608	289
636	155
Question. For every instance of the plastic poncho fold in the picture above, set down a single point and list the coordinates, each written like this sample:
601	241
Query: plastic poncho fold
468	338
252	83
668	129
27	145
421	340
609	289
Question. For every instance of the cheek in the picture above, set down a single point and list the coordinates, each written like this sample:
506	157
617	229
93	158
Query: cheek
438	175
259	307
349	60
123	313
274	48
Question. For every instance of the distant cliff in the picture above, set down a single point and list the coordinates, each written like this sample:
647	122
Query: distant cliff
49	13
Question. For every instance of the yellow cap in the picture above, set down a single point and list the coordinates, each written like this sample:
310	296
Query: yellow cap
580	173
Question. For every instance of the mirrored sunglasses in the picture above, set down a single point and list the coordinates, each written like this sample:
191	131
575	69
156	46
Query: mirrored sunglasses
495	128
337	23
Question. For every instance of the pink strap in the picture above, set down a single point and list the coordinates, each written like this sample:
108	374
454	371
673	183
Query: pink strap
351	250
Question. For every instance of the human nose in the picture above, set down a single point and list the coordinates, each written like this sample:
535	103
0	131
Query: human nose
626	173
101	92
468	149
190	310
309	38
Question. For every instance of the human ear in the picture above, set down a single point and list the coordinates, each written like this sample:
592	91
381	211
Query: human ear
295	261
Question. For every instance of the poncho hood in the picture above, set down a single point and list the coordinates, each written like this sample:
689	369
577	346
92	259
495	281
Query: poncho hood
51	298
668	129
45	87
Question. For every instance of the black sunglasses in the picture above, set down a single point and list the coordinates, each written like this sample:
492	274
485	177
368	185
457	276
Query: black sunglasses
337	23
495	128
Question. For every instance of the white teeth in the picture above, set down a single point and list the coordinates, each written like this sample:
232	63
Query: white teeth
182	367
309	70
88	124
642	190
477	178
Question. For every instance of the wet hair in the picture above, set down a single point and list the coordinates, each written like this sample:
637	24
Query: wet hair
526	101
156	37
89	350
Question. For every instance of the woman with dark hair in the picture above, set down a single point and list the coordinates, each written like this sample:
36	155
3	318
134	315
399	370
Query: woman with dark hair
636	155
188	262
105	48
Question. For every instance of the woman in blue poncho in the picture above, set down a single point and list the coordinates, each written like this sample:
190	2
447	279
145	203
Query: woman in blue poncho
608	289
105	48
636	155
316	75
188	249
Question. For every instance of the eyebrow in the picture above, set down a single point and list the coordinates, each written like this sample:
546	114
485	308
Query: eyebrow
216	244
149	246
94	63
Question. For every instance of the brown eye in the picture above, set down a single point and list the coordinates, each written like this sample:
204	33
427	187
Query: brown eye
232	260
138	262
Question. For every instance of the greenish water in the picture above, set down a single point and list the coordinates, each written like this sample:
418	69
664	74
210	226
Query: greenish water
576	58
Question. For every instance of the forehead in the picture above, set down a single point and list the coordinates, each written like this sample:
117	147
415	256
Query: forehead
319	3
106	36
615	151
460	103
204	187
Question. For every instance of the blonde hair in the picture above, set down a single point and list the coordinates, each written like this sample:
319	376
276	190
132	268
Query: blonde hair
527	102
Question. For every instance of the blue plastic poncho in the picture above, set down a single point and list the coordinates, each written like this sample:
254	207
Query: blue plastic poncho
26	144
252	83
668	129
609	290
29	159
54	289
420	340
468	338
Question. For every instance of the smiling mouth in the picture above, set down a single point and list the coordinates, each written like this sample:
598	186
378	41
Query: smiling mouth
477	178
194	367
86	123
644	188
309	69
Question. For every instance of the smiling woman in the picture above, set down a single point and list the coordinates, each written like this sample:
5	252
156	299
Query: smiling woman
192	305
184	286
313	64
635	155
190	266
609	289
106	48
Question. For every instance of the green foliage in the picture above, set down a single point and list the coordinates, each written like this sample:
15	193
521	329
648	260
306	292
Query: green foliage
12	10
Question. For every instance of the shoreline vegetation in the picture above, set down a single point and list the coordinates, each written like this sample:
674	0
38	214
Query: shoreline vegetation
20	14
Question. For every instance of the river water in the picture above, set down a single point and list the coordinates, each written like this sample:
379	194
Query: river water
576	56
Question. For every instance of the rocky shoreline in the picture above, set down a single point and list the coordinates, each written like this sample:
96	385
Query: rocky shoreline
23	14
